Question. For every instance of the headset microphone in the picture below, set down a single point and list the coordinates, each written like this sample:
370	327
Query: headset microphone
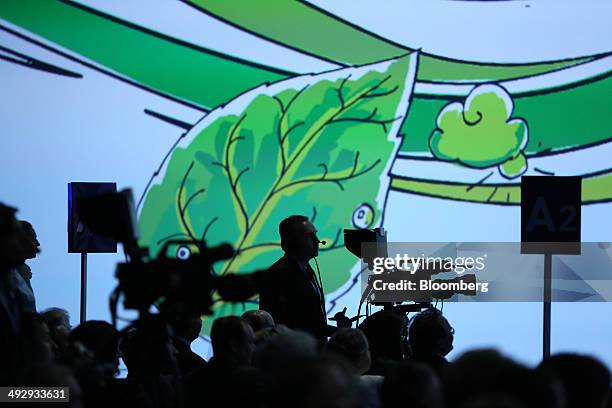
323	242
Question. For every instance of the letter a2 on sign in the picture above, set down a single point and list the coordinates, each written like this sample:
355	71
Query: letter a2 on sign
550	214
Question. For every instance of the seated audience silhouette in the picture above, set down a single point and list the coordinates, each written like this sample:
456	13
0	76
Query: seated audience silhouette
282	348
150	358
51	374
384	330
585	380
430	337
102	340
411	384
186	328
486	375
323	382
258	319
58	321
232	343
37	344
352	345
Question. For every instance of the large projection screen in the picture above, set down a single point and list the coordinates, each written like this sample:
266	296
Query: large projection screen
224	117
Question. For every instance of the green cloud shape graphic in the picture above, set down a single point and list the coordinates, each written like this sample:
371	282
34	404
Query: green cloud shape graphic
480	133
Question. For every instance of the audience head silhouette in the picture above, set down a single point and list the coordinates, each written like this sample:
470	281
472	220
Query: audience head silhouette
283	347
352	345
487	375
13	241
52	375
185	325
32	246
232	340
414	382
258	319
430	333
315	382
58	321
102	339
147	348
384	331
585	380
36	339
55	316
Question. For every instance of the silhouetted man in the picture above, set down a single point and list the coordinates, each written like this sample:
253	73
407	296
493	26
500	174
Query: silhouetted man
12	253
291	292
23	273
32	248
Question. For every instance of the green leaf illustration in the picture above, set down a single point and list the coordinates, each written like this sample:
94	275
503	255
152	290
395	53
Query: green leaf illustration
319	145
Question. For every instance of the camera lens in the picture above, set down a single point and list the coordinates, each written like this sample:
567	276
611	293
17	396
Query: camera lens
183	252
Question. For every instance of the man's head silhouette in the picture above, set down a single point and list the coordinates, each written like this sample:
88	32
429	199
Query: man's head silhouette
32	244
299	237
12	239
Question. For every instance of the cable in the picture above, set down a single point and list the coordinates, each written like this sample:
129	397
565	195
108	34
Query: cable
320	284
113	300
358	313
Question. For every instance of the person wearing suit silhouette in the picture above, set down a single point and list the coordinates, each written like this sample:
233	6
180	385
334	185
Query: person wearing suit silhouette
291	292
